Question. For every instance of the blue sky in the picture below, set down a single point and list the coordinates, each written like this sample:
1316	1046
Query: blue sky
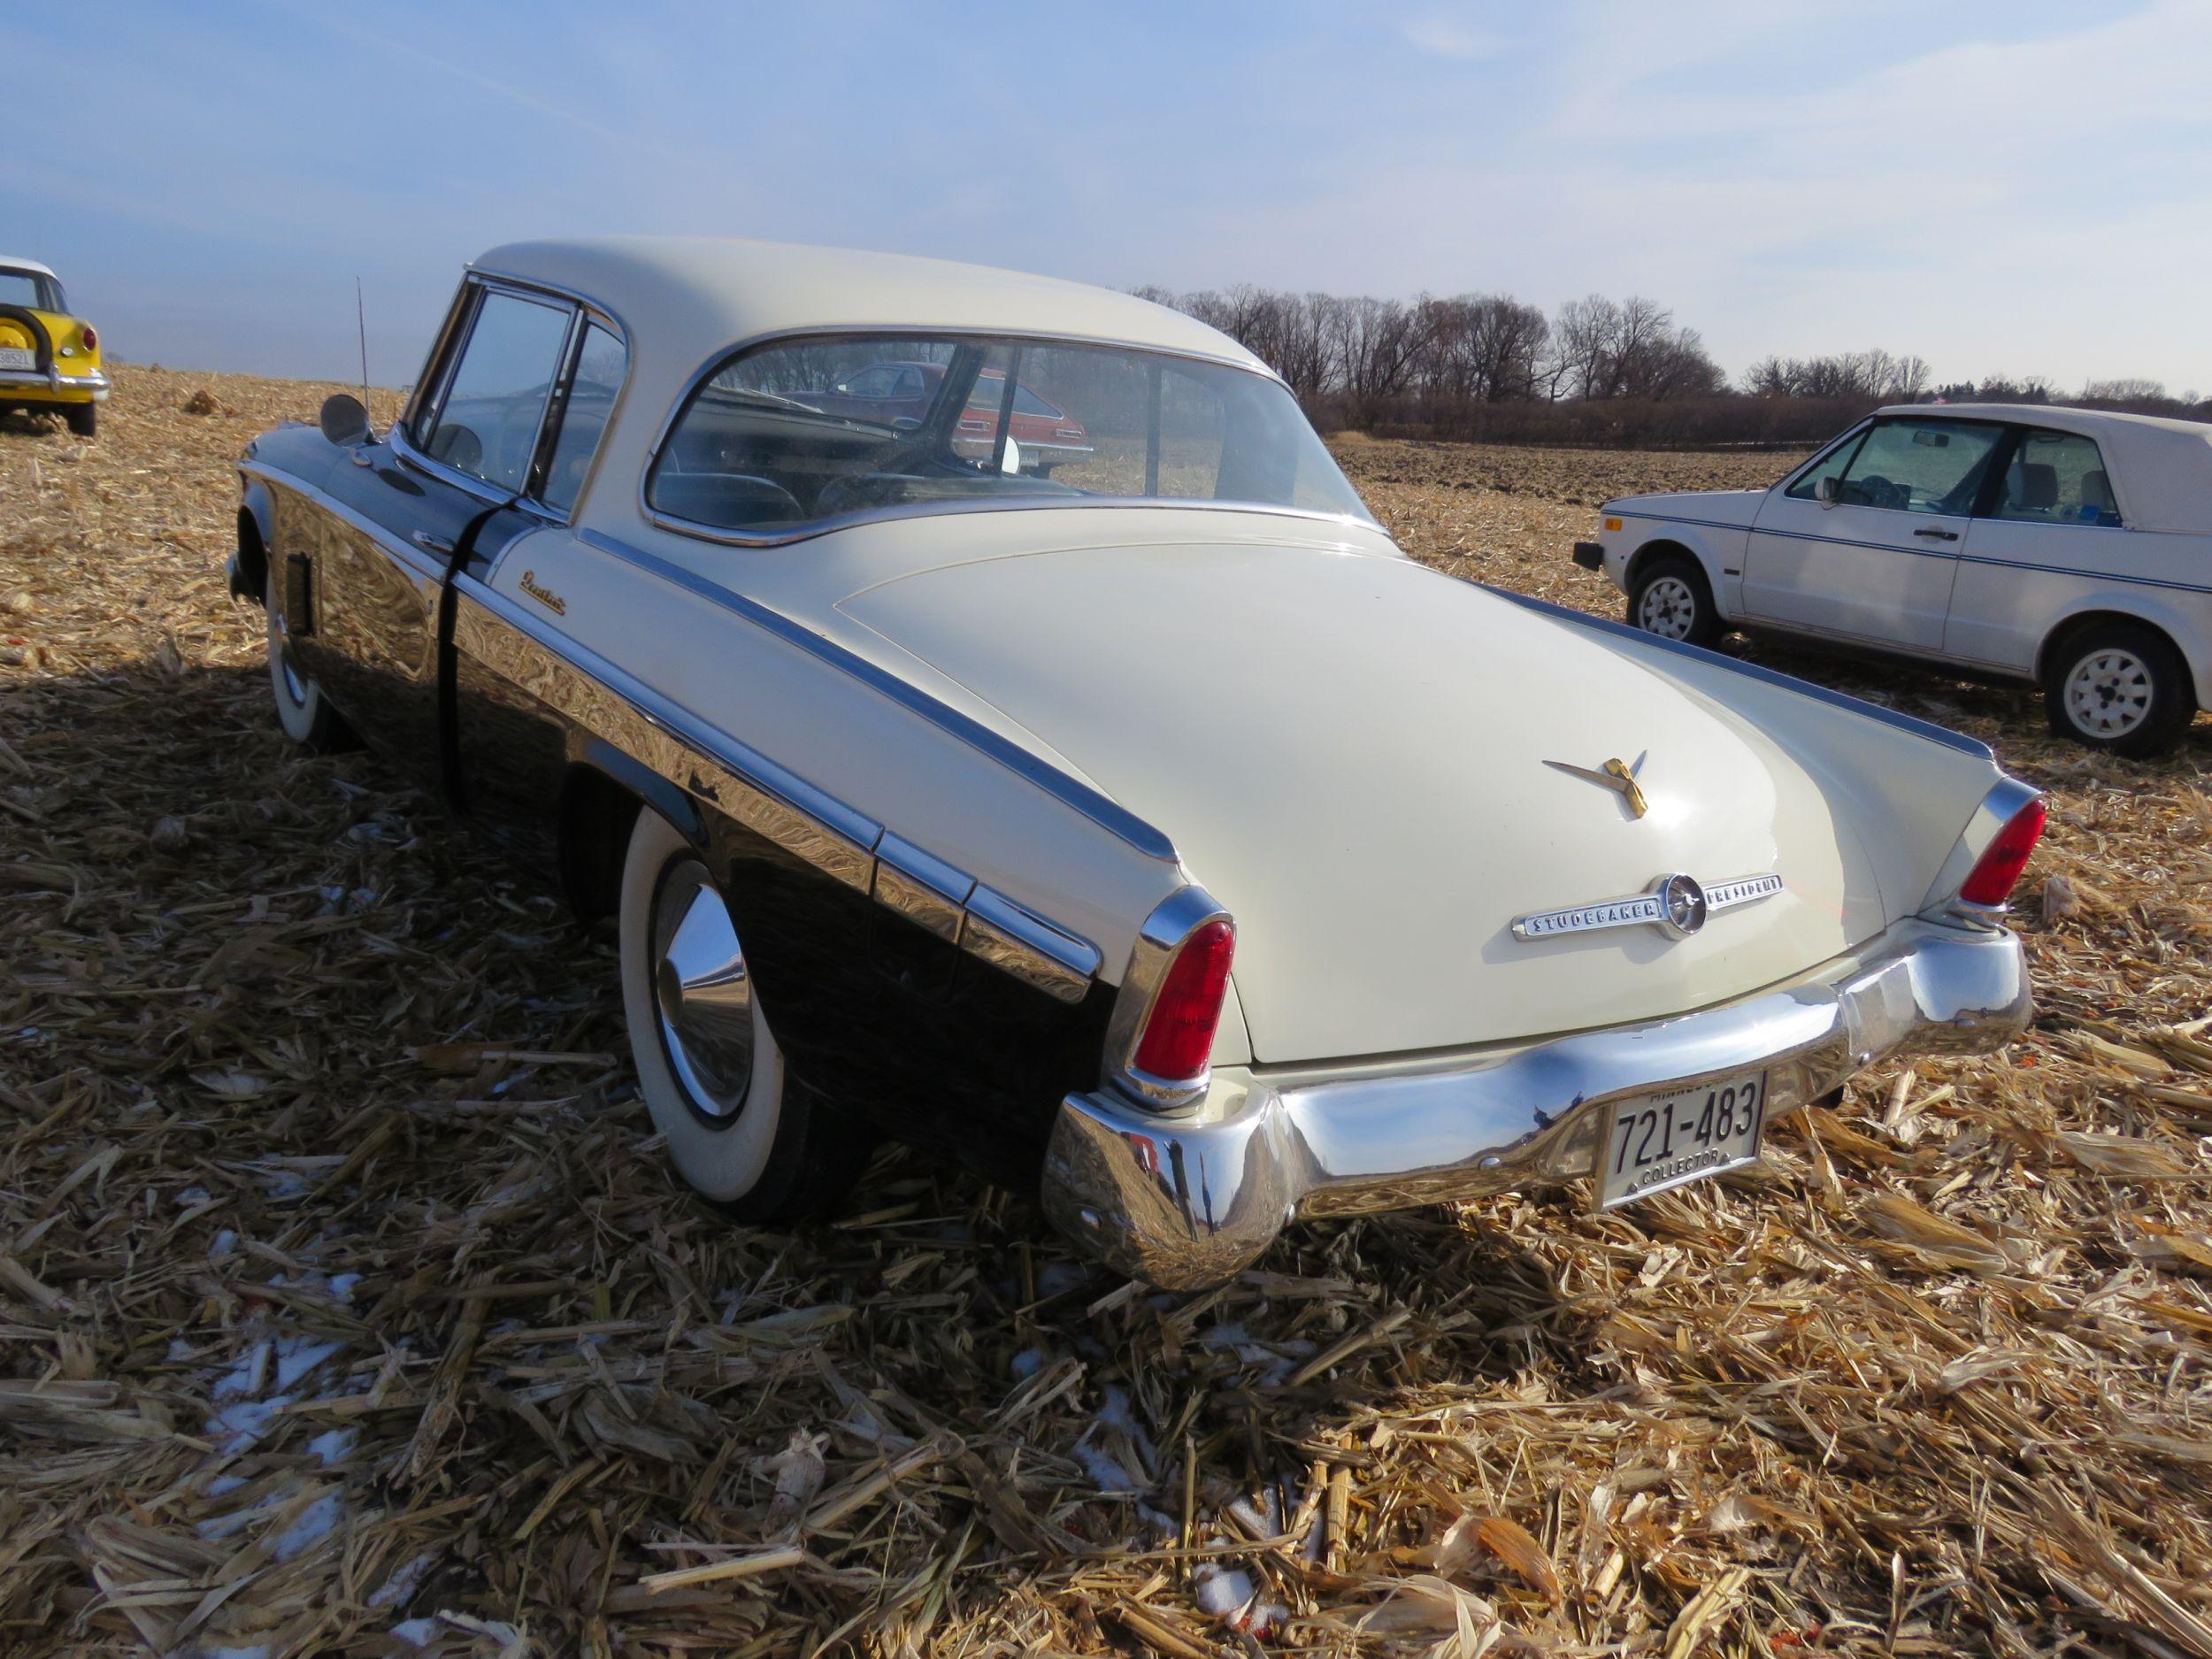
2023	187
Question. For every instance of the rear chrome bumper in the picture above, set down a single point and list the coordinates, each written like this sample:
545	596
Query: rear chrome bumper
55	384
1186	1200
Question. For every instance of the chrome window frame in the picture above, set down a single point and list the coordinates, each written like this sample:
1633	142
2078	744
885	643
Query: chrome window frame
445	356
723	358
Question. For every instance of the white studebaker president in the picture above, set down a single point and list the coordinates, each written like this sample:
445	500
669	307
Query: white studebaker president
1144	830
2067	547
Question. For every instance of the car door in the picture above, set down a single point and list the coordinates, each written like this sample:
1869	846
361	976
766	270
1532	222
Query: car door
511	755
444	479
1863	544
2046	536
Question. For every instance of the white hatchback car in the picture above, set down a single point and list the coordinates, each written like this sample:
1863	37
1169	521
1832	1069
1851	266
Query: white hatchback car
2069	547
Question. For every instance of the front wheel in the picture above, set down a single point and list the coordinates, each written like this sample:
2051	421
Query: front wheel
1671	597
741	1129
2120	686
302	710
83	419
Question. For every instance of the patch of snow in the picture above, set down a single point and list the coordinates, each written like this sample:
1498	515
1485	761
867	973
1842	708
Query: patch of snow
239	1425
245	1377
283	1183
1025	1364
1225	1591
1107	1473
417	1633
333	1445
226	1241
341	1286
395	1590
309	1527
256	1650
297	1358
221	1484
192	1198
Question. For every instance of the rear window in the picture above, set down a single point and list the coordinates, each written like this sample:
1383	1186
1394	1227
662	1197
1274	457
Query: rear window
802	433
30	290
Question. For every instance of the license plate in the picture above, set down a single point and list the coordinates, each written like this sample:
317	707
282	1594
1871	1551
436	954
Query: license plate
16	357
1656	1142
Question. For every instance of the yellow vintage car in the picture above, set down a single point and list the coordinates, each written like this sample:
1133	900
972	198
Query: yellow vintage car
48	359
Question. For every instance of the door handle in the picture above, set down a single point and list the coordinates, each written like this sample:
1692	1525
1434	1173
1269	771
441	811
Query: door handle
432	543
1938	536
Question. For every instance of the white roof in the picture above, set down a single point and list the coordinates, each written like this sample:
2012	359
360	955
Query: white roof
2160	470
684	300
11	262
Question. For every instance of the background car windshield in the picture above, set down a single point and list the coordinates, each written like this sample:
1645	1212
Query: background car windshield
803	432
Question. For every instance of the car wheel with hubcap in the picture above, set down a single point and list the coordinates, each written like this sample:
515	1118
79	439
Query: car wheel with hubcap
741	1130
1671	598
2120	686
302	710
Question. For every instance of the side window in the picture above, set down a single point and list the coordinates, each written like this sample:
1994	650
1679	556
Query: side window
1830	465
599	363
487	424
1934	466
2057	478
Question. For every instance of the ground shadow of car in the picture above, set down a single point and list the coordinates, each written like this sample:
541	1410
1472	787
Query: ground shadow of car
375	1220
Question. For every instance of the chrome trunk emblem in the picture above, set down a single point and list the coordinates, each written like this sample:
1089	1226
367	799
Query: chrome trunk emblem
1676	904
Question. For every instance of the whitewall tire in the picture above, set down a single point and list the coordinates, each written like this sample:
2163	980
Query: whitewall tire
740	1130
302	710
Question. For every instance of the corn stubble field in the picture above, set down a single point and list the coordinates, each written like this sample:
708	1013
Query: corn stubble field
347	1305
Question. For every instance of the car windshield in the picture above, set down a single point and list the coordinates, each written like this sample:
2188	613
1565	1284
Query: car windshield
794	434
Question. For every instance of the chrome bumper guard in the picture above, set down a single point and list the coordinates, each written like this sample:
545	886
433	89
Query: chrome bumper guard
1188	1200
19	379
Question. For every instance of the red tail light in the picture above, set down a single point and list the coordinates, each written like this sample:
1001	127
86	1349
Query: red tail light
1179	1033
91	338
1990	882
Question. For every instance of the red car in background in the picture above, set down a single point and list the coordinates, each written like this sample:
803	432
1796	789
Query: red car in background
887	392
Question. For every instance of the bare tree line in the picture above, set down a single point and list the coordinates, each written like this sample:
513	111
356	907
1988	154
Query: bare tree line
1597	370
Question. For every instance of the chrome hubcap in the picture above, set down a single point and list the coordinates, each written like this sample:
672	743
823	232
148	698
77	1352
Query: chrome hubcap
703	993
2109	692
1667	609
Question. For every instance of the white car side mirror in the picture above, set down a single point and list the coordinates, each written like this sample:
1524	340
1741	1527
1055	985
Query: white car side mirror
1011	462
1825	490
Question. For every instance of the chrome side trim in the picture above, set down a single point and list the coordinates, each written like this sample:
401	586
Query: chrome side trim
1101	809
1928	729
613	704
1173	920
1018	941
1189	1200
777	803
2006	799
921	886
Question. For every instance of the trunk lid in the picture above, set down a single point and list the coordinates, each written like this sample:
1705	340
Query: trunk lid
1348	751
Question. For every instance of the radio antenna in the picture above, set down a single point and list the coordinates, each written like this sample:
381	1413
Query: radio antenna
361	319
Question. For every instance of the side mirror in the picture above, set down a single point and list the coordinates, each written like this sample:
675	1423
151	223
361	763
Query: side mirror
344	421
1011	461
1825	490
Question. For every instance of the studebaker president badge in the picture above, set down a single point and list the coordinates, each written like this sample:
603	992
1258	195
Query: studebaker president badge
1675	904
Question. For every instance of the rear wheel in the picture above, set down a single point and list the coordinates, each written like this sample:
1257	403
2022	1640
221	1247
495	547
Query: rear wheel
741	1129
83	419
302	710
2122	686
1671	597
